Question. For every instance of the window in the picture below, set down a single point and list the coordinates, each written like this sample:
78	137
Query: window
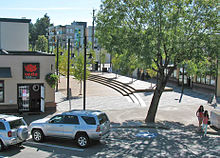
16	123
2	126
1	91
56	119
102	118
89	120
70	119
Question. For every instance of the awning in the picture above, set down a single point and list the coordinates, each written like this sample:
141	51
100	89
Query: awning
5	72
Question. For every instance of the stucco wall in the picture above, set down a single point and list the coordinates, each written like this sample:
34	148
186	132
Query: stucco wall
14	36
16	65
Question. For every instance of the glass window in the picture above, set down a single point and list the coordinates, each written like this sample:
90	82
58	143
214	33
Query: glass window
71	119
2	126
1	91
89	120
56	119
102	118
16	123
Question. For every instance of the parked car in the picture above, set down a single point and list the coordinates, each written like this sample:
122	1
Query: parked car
13	130
80	125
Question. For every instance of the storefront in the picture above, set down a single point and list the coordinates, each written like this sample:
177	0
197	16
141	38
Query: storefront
22	81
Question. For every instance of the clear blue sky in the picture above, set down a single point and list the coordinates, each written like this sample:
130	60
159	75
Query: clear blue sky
61	12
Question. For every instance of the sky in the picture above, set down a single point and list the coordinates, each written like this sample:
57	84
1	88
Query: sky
61	12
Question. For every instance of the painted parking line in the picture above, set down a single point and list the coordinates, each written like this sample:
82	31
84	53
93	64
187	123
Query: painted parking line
54	146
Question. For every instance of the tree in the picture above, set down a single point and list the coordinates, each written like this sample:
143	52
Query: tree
164	33
78	69
41	43
39	28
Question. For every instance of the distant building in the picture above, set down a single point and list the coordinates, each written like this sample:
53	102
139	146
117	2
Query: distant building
74	32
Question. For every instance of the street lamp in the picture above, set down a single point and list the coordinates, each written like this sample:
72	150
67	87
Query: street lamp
84	79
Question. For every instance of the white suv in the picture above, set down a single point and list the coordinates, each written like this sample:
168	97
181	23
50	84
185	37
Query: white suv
13	130
81	125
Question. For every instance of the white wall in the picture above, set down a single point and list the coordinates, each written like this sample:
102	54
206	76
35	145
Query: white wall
14	36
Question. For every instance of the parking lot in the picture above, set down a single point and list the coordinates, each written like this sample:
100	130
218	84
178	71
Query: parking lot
179	141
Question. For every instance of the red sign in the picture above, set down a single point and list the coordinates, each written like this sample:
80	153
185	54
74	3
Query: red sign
31	70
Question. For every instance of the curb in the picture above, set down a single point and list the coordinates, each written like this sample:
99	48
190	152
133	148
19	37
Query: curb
140	126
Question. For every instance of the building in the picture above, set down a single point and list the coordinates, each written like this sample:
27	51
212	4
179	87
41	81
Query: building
74	32
11	31
22	73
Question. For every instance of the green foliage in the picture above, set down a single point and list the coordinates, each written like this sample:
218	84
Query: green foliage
78	67
51	79
39	28
161	34
42	44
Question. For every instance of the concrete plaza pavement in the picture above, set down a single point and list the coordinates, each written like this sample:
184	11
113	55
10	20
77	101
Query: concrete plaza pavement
122	112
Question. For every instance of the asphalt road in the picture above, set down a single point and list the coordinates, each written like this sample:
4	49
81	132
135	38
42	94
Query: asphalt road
126	142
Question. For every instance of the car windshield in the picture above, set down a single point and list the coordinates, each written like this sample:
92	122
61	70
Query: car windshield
16	123
102	118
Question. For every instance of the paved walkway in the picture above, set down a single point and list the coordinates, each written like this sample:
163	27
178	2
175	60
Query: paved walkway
123	112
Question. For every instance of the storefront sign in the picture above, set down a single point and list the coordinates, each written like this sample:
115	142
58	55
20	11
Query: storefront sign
31	70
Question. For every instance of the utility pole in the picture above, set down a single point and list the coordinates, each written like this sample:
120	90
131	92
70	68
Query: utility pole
84	79
57	63
93	32
68	71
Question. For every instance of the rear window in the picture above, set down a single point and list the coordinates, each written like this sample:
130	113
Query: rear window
102	118
16	123
89	120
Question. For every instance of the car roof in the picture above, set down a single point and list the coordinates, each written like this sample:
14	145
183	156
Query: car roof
9	117
83	112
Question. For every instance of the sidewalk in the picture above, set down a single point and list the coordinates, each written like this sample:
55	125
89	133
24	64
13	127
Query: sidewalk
126	114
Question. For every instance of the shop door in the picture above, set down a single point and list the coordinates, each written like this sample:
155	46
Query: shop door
35	97
23	98
42	99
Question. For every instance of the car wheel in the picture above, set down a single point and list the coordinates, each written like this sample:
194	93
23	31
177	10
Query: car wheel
37	135
82	140
1	146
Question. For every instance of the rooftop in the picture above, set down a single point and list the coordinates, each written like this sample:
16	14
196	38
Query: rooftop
15	20
24	53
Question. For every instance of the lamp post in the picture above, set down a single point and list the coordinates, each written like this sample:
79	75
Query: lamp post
68	70
84	79
57	63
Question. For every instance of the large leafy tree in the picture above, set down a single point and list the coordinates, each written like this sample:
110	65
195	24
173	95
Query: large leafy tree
39	28
162	33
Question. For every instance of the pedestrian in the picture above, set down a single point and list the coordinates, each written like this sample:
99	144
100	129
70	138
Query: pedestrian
205	122
199	114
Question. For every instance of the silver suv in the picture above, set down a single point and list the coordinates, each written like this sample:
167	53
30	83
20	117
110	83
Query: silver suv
80	125
13	130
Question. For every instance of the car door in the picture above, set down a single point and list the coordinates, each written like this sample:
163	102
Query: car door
55	126
71	124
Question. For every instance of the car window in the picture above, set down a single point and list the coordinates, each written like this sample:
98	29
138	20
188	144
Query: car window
2	126
71	119
89	120
56	119
102	118
16	123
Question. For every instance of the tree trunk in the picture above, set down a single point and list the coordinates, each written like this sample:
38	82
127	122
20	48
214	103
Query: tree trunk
155	102
160	86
